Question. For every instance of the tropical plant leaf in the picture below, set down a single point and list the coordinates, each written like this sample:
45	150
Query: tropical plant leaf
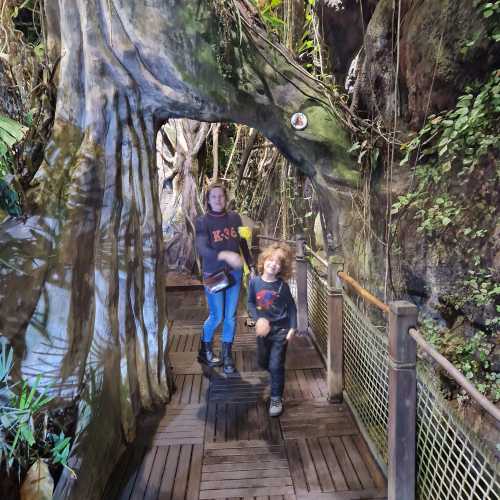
11	131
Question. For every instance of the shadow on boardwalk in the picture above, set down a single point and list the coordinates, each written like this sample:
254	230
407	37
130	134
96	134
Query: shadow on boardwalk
215	440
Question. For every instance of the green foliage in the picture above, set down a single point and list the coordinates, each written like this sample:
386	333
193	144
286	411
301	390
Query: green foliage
11	132
24	421
269	10
470	355
491	13
448	151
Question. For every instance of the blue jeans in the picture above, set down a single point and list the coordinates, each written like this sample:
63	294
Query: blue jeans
271	356
222	306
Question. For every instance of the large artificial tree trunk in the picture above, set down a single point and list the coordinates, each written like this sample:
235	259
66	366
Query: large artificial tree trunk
82	294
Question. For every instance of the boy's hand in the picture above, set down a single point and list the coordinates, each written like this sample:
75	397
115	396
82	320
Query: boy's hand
290	334
232	258
262	327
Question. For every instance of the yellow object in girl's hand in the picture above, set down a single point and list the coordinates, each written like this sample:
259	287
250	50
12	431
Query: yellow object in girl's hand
245	232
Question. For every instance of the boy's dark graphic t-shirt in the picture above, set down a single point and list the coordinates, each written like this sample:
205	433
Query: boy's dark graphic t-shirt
273	301
216	232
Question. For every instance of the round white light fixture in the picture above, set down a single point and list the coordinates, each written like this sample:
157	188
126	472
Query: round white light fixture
299	121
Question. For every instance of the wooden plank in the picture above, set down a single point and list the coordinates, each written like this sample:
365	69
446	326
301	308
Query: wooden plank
181	475
292	389
220	423
133	468
167	481
376	474
345	464
243	474
273	451
246	492
303	385
205	387
242	421
154	482
224	466
253	423
333	465
358	463
372	494
246	483
231	425
193	487
313	386
325	480
237	459
196	389
318	430
143	475
242	445
301	360
296	471
185	363
186	389
319	374
178	381
307	463
211	420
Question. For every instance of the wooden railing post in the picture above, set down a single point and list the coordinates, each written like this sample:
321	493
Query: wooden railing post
335	350
301	276
402	401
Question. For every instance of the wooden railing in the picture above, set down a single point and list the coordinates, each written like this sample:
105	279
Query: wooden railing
403	338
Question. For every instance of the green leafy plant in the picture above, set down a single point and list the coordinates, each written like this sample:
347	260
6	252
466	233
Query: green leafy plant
269	12
470	355
24	420
11	132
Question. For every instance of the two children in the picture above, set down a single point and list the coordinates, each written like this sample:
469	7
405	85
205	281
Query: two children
271	304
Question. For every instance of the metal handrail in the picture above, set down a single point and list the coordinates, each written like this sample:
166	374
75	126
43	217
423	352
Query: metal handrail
461	380
362	292
455	374
317	256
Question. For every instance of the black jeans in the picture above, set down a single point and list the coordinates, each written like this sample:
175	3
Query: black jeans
271	355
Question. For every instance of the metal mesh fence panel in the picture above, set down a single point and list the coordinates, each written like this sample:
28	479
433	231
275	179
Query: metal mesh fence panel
317	312
452	463
366	379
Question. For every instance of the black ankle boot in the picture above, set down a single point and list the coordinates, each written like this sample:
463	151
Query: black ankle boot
227	357
207	356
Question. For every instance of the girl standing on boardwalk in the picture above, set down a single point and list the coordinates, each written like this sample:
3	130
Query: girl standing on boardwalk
270	302
218	243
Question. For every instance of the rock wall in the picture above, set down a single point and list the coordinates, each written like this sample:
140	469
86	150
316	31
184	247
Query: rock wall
436	63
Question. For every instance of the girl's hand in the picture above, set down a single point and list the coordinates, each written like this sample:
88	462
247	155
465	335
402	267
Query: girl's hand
290	334
262	327
232	258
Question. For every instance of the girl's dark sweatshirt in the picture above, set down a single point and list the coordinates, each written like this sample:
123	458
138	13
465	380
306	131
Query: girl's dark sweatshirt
217	231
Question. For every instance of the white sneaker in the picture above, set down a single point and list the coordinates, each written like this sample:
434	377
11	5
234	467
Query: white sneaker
275	407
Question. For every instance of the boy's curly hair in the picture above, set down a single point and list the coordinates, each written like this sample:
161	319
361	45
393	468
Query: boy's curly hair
286	259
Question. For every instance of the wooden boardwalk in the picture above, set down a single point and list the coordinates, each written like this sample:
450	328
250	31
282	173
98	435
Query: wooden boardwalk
215	439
